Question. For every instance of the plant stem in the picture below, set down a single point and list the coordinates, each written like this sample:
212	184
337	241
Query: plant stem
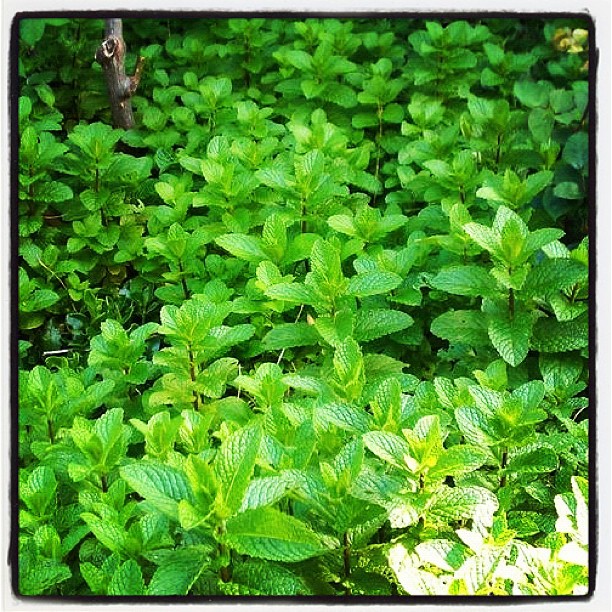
183	281
50	431
346	556
225	571
511	303
192	375
378	146
504	462
498	152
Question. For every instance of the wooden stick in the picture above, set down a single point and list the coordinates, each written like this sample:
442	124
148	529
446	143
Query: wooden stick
111	56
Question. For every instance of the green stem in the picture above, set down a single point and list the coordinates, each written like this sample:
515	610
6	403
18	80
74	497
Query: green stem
498	152
225	571
511	303
50	431
303	223
183	281
504	462
378	146
192	375
346	556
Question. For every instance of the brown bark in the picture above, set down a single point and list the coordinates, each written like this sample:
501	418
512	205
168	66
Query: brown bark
111	56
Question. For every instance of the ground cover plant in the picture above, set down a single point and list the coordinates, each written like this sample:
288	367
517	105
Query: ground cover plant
317	324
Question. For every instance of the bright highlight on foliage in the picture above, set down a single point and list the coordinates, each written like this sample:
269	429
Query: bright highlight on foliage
318	323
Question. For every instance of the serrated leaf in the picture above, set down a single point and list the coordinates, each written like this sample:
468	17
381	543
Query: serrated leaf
373	283
266	491
475	426
343	224
287	335
107	533
267	533
465	503
127	580
551	336
40	489
270	579
178	570
242	246
510	335
162	485
461	326
477	570
41	575
484	236
234	465
534	461
294	293
458	460
414	580
445	554
375	323
345	416
470	281
389	447
555	274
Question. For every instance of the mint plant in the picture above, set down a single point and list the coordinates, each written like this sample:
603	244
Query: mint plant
318	323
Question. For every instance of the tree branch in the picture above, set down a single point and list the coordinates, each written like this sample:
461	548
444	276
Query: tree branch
111	56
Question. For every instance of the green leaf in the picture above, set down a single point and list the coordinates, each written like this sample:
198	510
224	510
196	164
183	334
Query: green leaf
389	447
39	490
552	336
471	281
465	503
127	580
162	485
287	335
178	570
242	246
270	579
345	416
540	238
53	191
40	575
484	236
576	150
343	224
373	283
461	327
532	94
555	274
267	533
266	491
108	533
295	293
541	122
533	461
40	299
568	190
234	465
458	460
476	426
375	323
348	369
31	30
510	335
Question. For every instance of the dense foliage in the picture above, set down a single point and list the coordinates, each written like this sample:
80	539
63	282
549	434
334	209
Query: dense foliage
318	324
